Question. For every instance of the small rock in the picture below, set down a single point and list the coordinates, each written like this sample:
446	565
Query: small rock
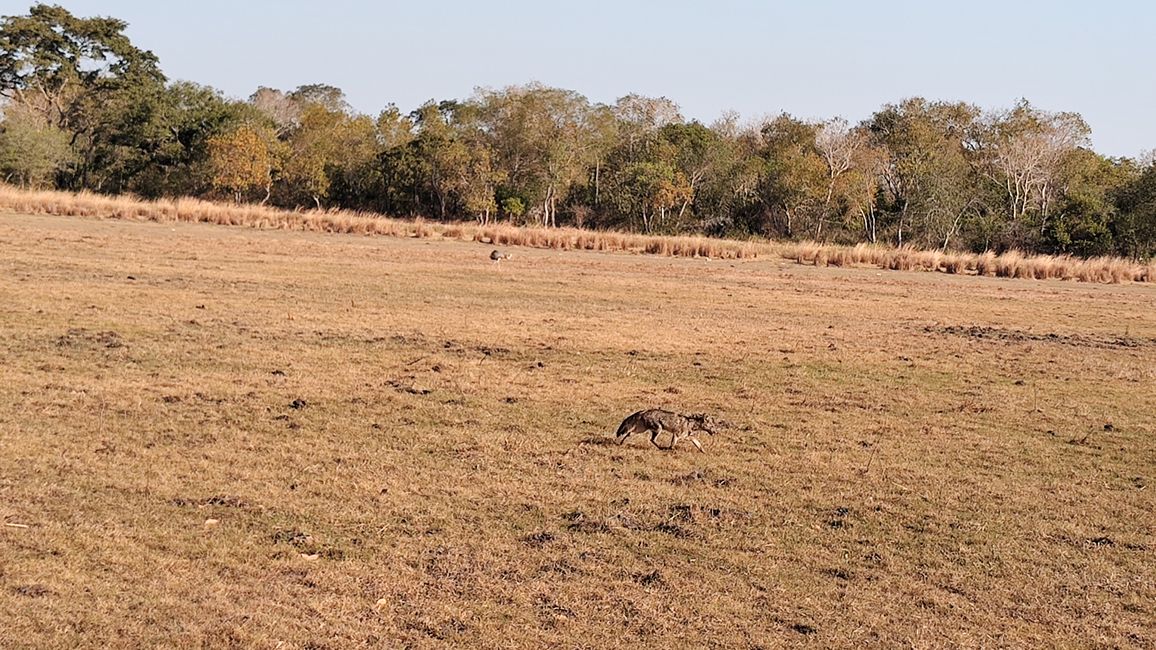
209	523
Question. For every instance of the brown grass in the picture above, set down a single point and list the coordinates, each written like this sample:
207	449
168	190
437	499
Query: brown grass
1012	264
273	439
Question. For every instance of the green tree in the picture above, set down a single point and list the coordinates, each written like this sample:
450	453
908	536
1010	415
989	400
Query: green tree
928	185
697	154
72	70
329	152
543	141
159	145
446	156
62	64
1134	227
795	175
32	150
1083	212
655	190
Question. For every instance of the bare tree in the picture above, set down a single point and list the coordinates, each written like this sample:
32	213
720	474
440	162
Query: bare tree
838	144
1022	151
279	107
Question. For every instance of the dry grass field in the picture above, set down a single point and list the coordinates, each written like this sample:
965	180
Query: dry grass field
221	437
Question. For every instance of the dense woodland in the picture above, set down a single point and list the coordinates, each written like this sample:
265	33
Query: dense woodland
83	109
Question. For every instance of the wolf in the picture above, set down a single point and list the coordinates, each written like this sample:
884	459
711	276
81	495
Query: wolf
657	420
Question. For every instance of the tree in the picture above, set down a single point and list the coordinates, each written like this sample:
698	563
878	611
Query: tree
794	174
283	110
1081	220
61	63
927	182
695	153
729	200
446	156
328	151
543	141
640	117
245	159
1022	151
840	148
862	185
1134	228
72	70
656	188
328	97
32	150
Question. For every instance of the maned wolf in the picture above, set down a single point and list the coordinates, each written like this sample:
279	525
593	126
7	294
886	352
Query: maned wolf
657	420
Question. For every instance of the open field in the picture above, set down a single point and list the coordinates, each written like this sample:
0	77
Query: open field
225	437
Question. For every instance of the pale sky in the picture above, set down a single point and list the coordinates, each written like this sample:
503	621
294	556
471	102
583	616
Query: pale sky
816	59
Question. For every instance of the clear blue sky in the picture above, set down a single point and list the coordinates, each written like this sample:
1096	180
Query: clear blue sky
813	59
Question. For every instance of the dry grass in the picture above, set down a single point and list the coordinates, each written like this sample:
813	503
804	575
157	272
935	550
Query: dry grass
1012	264
269	439
87	204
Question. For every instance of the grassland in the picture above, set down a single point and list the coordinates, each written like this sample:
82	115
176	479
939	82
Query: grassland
225	437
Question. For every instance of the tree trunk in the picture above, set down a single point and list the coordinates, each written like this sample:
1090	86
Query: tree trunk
597	173
902	216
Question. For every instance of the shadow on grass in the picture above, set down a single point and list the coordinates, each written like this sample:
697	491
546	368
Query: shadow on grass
600	441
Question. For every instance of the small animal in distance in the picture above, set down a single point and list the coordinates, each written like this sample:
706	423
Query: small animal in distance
656	421
498	256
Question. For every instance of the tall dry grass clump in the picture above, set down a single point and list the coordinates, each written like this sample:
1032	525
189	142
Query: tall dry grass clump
903	259
955	264
985	264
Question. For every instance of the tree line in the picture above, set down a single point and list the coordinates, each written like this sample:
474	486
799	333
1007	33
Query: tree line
84	109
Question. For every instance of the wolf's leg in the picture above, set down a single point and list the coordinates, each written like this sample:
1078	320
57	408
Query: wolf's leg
654	433
696	443
622	438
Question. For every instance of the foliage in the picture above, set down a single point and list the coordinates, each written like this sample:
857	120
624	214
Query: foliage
1135	228
245	159
32	150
